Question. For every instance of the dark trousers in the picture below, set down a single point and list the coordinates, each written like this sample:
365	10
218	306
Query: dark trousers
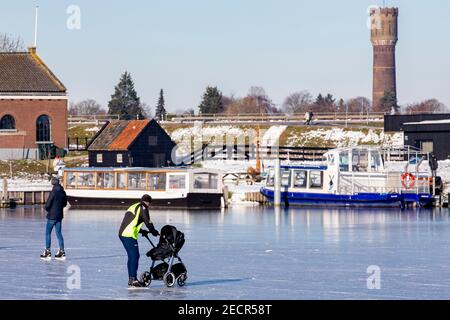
48	233
132	248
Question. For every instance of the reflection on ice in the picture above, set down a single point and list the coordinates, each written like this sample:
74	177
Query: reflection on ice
239	253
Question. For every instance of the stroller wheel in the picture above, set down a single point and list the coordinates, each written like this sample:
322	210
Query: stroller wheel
169	279
182	279
146	278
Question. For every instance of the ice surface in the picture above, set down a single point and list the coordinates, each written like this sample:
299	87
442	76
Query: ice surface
241	253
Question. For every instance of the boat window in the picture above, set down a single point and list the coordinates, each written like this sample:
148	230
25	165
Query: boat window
300	179
315	179
360	160
71	179
343	161
205	180
376	161
105	180
136	181
285	178
85	180
157	181
177	182
121	181
270	182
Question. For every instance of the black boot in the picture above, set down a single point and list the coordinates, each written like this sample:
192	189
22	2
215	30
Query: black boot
61	255
134	283
46	255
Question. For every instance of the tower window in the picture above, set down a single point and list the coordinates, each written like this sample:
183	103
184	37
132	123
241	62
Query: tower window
7	123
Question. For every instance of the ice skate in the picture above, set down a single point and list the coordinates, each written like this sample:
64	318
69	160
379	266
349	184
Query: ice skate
61	255
46	255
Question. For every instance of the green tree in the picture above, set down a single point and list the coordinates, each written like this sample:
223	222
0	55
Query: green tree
161	113
125	101
388	103
212	101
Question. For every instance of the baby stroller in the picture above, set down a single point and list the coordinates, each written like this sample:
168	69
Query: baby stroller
170	243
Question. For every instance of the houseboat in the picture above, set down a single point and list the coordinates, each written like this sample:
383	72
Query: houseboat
351	177
118	188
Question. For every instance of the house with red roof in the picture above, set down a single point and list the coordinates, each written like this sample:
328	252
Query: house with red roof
136	143
33	107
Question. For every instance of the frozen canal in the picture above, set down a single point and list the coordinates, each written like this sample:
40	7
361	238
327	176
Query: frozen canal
242	253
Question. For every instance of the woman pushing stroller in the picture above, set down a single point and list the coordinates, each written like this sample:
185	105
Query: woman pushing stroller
135	217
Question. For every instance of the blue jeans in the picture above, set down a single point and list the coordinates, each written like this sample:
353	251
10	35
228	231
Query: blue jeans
48	233
131	246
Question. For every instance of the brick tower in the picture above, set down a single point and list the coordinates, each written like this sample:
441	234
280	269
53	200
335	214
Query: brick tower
384	36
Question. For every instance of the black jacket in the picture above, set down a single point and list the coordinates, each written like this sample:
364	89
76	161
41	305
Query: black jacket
56	202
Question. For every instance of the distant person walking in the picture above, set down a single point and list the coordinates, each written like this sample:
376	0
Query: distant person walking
132	222
56	202
308	117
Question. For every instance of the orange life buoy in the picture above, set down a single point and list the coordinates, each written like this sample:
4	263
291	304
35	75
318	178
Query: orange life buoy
408	180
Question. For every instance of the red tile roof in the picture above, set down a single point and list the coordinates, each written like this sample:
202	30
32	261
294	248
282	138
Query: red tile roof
118	135
128	135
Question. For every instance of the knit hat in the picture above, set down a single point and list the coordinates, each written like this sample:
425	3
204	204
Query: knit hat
146	198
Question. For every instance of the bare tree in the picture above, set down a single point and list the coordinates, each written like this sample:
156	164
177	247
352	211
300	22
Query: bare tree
360	105
86	107
10	44
298	102
147	110
427	106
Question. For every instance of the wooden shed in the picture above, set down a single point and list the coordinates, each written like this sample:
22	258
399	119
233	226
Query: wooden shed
137	143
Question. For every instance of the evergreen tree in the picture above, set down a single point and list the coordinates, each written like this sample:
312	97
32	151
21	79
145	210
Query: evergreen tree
212	101
161	113
125	101
388	103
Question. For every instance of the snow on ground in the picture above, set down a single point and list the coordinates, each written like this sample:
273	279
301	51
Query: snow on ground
23	184
272	136
341	137
92	129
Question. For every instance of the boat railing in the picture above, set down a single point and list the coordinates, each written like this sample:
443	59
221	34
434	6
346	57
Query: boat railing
353	183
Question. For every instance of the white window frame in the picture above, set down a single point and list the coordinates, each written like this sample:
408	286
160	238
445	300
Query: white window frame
99	158
119	156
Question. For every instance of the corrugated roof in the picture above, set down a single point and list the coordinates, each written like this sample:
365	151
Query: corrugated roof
118	135
25	72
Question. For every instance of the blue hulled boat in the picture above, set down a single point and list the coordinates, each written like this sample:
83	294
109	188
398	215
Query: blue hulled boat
353	177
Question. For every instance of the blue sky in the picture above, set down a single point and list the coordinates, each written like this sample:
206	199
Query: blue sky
183	46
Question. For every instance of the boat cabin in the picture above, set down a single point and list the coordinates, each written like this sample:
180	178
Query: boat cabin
119	187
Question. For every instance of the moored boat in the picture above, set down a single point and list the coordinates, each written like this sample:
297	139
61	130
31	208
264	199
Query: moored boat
118	188
353	177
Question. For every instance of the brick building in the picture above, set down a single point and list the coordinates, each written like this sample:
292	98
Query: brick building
33	107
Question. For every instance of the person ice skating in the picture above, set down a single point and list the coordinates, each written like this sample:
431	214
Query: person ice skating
135	217
56	202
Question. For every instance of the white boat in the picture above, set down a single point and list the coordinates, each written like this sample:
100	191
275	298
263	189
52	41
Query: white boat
170	188
354	176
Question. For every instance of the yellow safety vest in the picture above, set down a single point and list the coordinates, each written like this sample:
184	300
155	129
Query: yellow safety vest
132	230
